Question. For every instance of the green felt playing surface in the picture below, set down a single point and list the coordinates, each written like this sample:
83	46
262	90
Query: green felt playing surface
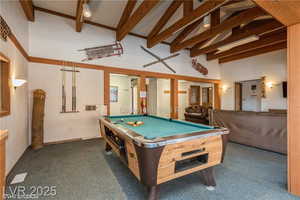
158	126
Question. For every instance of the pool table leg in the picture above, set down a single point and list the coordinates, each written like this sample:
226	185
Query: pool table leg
108	149
153	192
207	176
224	145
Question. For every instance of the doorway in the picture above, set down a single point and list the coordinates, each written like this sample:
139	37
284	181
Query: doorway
123	94
248	95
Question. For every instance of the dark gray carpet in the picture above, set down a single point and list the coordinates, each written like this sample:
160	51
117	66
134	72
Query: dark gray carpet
82	171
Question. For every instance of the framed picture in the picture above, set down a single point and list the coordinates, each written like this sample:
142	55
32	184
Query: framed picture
113	93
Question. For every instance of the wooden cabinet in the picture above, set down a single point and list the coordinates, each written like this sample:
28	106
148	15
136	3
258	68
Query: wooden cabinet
3	137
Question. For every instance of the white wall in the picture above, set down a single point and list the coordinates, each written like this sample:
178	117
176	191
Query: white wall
163	99
58	126
17	121
272	65
65	43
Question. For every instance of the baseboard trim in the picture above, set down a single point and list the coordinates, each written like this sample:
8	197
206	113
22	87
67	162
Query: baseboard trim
63	141
71	140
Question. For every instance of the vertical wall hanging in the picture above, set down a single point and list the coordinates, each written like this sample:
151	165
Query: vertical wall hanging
37	126
4	29
65	71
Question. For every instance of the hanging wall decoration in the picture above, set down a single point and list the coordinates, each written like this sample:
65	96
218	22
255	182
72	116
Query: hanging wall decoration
4	29
200	68
103	51
160	60
64	90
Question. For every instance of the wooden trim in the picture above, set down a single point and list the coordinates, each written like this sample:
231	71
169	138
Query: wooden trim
79	15
203	9
51	12
18	45
243	17
126	13
136	17
179	92
165	18
249	30
262	42
28	9
106	80
174	98
5	86
121	70
293	109
63	141
255	52
217	96
287	12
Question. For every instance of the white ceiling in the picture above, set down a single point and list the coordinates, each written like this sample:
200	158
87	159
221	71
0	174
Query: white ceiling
108	12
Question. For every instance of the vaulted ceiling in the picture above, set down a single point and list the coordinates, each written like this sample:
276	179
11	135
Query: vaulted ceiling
238	28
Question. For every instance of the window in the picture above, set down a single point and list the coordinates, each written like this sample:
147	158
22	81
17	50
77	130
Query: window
4	86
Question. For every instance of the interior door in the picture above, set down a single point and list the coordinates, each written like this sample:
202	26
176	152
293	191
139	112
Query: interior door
238	96
195	95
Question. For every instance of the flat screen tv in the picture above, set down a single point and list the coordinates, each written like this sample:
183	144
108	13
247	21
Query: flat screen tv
284	89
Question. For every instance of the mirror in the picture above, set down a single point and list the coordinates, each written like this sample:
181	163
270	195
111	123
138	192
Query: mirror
4	86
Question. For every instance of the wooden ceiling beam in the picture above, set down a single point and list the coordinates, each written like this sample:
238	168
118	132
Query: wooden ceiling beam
28	9
79	15
136	17
255	52
126	13
247	31
264	41
285	11
51	12
203	9
243	17
232	2
165	18
187	7
186	31
214	19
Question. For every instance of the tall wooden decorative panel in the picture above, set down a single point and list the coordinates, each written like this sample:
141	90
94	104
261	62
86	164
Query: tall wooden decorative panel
38	119
3	137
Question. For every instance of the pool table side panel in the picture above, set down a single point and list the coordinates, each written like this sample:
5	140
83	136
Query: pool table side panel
175	152
148	159
133	164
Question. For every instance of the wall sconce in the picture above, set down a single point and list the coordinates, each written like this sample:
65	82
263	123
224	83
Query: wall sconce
18	82
270	84
225	88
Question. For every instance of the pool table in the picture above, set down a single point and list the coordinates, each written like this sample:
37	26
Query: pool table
163	149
